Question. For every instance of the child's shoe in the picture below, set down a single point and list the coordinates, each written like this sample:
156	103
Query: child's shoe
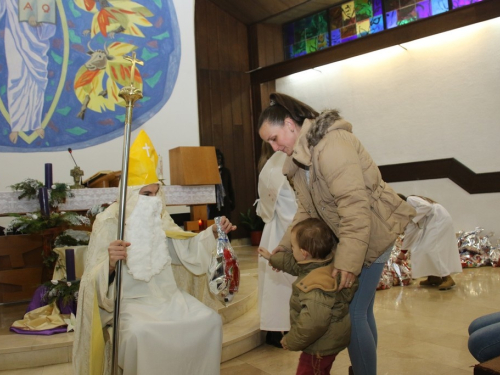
274	338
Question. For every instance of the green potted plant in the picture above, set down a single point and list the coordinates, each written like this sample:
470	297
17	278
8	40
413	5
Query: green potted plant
29	239
254	224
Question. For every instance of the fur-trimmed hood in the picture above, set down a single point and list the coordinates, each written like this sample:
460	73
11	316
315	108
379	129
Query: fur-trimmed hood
313	131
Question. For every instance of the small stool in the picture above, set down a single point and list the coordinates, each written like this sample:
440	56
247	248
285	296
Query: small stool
491	367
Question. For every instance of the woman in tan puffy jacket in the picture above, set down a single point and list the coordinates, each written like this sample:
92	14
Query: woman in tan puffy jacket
336	180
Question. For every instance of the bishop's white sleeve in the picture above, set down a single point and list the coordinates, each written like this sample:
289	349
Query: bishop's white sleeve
195	253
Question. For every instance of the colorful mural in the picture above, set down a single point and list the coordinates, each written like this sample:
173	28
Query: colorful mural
62	66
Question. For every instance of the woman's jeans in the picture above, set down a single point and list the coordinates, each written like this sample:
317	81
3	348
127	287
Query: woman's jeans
363	346
484	337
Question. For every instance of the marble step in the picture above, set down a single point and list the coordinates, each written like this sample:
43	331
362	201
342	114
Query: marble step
241	333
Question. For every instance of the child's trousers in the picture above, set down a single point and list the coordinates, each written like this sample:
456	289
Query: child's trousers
310	364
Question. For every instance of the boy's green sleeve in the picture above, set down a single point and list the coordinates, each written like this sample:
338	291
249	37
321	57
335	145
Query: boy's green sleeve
284	261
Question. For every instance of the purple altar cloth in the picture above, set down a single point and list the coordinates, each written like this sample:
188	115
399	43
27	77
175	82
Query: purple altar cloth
38	301
45	332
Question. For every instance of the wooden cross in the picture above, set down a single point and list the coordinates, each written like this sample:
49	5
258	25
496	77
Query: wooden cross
134	61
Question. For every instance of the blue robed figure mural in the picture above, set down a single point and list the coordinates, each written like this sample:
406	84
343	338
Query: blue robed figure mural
62	67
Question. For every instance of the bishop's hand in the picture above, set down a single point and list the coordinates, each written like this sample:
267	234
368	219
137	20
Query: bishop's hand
117	250
226	226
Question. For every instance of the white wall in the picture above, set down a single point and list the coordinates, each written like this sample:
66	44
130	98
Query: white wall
176	124
436	98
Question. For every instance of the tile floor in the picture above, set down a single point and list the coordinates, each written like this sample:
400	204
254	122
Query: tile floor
422	331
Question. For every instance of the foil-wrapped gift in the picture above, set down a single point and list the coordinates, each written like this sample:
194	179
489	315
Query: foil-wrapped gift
386	278
224	269
395	272
475	250
494	255
470	241
403	273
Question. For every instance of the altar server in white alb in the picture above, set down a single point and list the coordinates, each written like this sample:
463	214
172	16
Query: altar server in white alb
277	208
431	238
162	329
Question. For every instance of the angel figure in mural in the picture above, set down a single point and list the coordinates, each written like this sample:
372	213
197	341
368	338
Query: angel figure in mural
96	82
115	16
29	25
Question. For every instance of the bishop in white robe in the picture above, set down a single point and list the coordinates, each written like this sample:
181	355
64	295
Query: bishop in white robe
161	327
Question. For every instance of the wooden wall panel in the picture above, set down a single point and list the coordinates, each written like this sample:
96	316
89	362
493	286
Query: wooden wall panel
265	45
201	38
224	98
211	32
204	104
242	48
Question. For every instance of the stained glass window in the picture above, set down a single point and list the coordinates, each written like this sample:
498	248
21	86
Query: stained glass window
460	3
306	35
401	12
355	19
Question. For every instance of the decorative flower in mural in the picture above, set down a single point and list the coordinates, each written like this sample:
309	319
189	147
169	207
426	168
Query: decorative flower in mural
96	82
115	16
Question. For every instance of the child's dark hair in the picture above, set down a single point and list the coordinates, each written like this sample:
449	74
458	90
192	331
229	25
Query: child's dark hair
315	237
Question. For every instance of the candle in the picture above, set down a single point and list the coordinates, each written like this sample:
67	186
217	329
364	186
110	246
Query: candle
48	176
43	199
70	265
200	224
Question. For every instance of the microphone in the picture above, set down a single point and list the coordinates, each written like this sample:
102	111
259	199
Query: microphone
71	153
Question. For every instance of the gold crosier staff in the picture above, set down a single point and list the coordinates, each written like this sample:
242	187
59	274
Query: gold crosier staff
130	94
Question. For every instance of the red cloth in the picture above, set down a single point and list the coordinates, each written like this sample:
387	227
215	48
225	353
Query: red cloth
310	364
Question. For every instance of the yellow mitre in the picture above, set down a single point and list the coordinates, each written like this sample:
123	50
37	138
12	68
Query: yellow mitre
142	161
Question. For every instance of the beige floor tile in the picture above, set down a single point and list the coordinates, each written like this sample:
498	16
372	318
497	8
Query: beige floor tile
231	363
457	371
438	354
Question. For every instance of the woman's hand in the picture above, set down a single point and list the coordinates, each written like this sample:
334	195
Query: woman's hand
117	250
346	278
226	225
264	253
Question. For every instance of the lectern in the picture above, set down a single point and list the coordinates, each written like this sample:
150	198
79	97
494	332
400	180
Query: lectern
194	166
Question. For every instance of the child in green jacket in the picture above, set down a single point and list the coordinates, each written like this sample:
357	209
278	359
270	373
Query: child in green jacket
319	315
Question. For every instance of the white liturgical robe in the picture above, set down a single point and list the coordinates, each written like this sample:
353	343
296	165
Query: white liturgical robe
431	239
163	330
277	208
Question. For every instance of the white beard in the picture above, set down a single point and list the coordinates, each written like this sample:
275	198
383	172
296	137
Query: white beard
147	254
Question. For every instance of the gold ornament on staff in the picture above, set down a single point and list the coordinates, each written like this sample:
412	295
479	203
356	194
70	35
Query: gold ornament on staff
130	94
